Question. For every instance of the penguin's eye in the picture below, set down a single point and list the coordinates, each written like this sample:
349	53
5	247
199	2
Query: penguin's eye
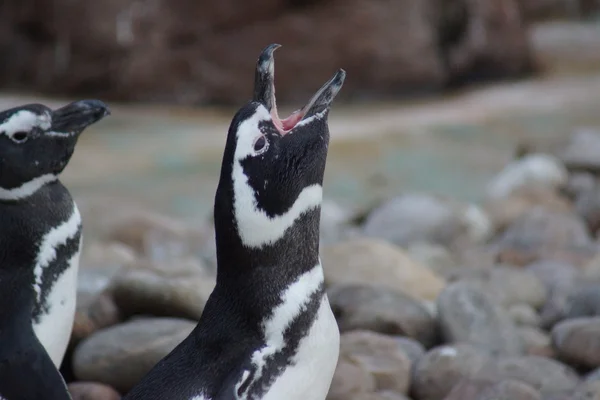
261	145
20	136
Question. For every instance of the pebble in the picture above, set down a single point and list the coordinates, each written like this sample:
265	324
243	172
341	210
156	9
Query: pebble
375	262
176	289
544	374
582	151
436	257
536	342
483	389
417	217
559	279
381	309
442	367
468	315
412	348
540	233
587	206
578	341
97	313
121	355
505	211
381	356
523	315
587	391
350	380
532	170
92	391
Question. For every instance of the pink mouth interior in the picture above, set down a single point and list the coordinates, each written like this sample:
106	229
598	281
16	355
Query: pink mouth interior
286	125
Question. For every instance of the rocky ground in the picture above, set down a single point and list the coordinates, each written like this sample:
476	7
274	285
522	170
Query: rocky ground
435	299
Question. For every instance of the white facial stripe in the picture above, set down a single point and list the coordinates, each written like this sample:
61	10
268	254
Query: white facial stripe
255	227
25	120
56	237
293	300
26	189
308	120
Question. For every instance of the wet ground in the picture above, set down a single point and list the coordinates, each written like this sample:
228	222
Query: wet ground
169	158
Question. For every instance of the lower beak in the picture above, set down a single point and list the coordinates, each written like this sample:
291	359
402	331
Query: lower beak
75	117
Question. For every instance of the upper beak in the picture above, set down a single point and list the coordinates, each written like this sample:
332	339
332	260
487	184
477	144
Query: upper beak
264	92
75	117
264	78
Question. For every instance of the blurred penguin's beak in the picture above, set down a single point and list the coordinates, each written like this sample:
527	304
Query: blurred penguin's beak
73	118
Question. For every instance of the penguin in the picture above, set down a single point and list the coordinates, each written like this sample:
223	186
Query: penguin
267	331
40	237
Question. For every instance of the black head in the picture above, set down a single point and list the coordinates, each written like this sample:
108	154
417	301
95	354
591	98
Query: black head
36	143
273	169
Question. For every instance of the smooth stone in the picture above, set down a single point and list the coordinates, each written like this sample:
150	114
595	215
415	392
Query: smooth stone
436	257
97	313
540	233
412	348
442	367
92	391
581	152
121	355
468	315
179	288
559	279
350	379
523	315
578	341
532	170
485	389
383	310
417	217
375	262
505	211
536	342
544	374
381	356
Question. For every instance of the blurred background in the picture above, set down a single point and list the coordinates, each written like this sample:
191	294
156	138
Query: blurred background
438	93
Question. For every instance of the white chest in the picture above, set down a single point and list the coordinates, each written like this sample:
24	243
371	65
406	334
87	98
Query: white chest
53	328
310	376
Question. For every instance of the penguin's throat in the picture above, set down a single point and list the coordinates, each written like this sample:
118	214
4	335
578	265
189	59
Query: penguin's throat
286	125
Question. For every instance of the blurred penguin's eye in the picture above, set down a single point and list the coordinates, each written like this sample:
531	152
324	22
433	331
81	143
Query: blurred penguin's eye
20	136
261	145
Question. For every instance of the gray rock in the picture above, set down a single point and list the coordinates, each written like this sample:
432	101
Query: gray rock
536	342
414	218
381	356
486	389
541	233
176	289
544	374
442	367
467	315
437	257
578	341
92	391
593	376
523	315
350	380
582	151
583	301
375	262
559	279
383	310
510	390
587	391
537	169
121	355
412	348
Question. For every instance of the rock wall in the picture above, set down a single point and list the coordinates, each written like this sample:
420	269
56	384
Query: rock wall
200	51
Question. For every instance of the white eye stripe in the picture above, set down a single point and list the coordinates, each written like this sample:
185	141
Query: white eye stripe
24	121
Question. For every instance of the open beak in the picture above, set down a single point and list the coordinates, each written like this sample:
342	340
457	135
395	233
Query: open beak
75	117
264	92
